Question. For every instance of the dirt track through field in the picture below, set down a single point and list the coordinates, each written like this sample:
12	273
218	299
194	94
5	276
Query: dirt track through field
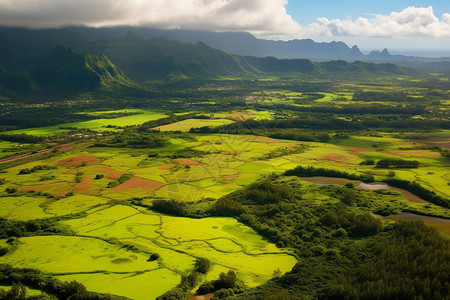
60	148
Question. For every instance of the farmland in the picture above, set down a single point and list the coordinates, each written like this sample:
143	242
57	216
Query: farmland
139	195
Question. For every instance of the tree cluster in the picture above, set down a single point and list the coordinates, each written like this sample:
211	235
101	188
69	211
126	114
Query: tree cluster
397	163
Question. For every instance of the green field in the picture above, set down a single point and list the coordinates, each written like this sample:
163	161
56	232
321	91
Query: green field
97	124
186	125
89	212
96	254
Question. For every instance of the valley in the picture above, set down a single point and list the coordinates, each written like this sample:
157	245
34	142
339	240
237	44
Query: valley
191	171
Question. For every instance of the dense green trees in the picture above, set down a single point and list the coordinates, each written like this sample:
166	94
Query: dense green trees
344	252
383	96
227	207
36	168
301	171
321	123
171	207
11	228
21	138
411	261
36	279
203	265
397	163
137	140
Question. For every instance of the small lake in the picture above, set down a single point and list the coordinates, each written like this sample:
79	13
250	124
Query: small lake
364	186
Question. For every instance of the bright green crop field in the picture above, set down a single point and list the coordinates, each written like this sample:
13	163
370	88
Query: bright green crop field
103	220
98	195
100	124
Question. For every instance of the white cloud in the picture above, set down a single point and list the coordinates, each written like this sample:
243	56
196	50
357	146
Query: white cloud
267	17
264	18
411	22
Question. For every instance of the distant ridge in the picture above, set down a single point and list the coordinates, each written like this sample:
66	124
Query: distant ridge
245	44
61	62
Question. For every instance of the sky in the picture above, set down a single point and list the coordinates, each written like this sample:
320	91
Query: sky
401	26
422	40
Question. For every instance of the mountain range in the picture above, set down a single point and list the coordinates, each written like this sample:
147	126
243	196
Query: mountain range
76	60
245	44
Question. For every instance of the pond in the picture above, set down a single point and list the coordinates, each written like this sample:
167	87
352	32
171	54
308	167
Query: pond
364	186
440	224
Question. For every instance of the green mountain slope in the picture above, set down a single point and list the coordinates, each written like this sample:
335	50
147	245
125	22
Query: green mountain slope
156	58
38	60
65	70
152	59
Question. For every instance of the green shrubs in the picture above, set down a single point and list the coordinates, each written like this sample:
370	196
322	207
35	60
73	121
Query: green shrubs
10	228
153	257
262	192
397	163
226	281
367	162
190	280
174	294
137	140
311	171
203	265
36	279
17	291
35	169
227	207
122	179
11	190
171	207
357	225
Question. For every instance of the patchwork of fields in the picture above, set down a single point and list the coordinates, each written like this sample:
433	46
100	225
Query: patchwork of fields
93	190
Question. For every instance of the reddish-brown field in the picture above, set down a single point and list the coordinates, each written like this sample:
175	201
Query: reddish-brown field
85	185
65	147
262	139
423	153
357	150
166	167
108	172
333	156
137	182
57	189
443	142
77	161
241	116
189	162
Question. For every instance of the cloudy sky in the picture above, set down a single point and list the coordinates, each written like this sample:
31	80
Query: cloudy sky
396	24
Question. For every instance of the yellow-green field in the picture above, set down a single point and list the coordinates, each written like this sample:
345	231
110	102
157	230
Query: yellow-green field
11	149
95	255
113	239
97	124
230	161
186	125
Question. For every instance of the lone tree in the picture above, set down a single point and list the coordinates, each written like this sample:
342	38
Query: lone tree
203	265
